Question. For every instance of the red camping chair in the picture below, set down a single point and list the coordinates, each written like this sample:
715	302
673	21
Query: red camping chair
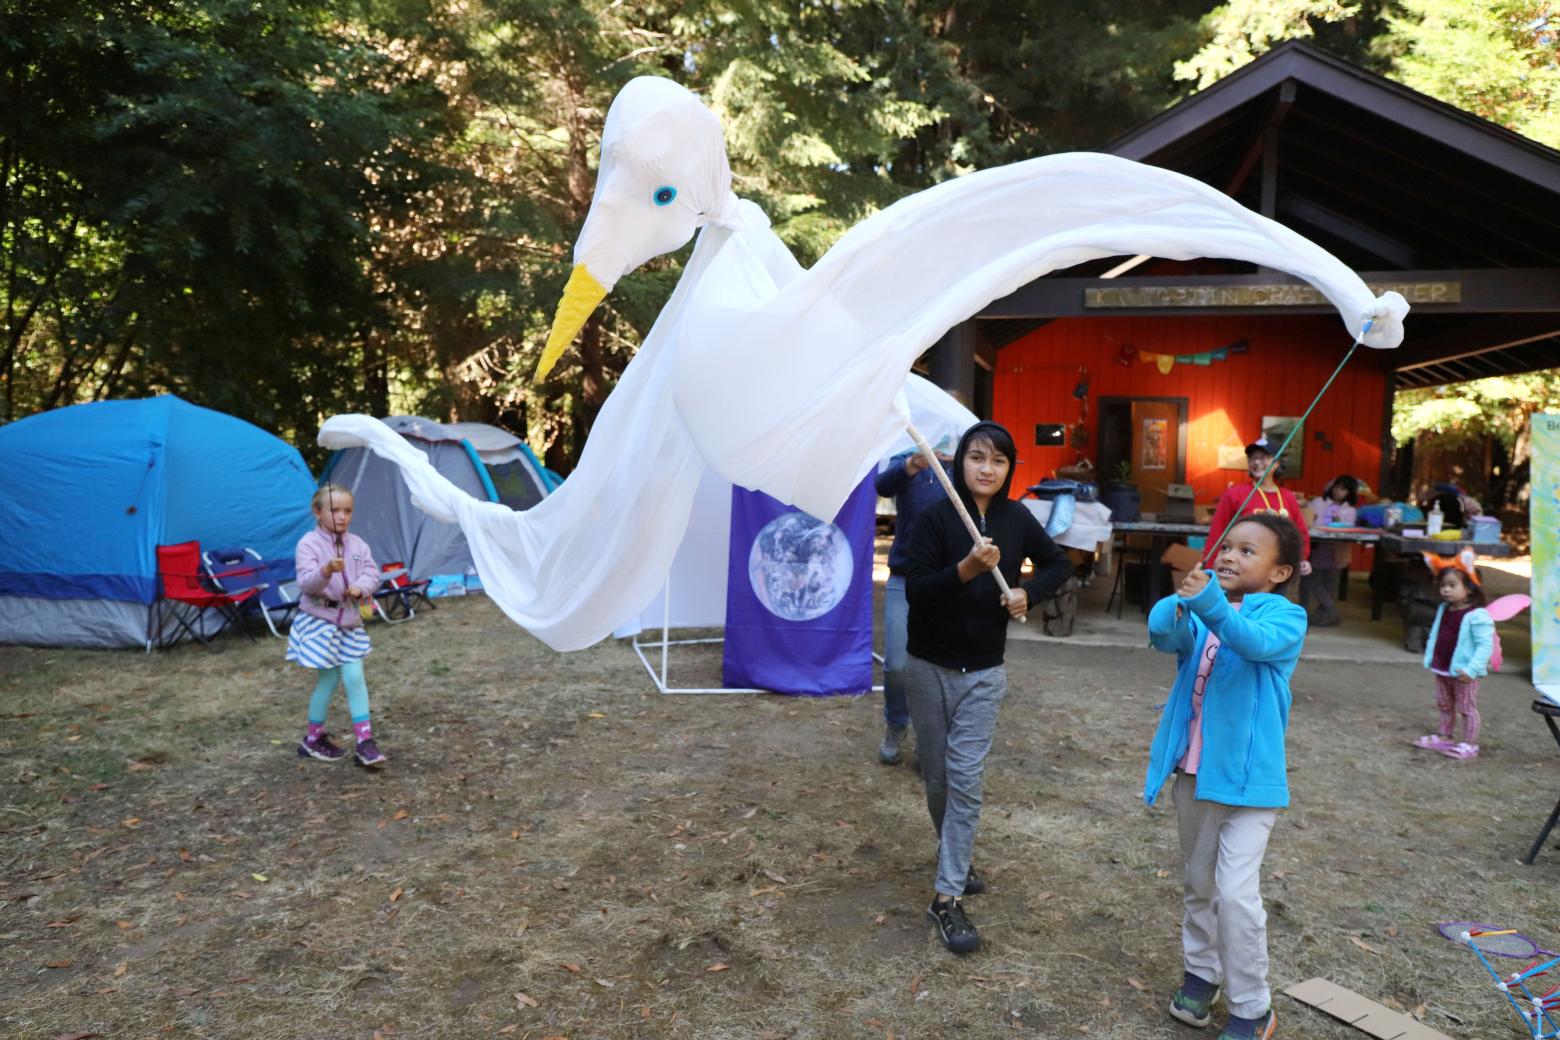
191	591
397	597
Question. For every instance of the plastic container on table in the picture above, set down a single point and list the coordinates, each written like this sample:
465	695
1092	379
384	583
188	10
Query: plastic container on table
1484	530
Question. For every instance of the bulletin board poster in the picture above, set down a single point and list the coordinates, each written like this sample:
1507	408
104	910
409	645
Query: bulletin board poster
1544	521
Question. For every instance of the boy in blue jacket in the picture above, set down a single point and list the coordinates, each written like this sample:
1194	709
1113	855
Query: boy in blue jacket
1236	639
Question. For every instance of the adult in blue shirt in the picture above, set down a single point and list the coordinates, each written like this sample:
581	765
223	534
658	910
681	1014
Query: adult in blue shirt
907	478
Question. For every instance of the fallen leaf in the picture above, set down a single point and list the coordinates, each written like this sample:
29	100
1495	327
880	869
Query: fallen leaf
98	787
124	924
771	875
605	983
74	1036
184	854
571	967
63	923
528	1000
509	1029
712	967
259	877
1279	875
1161	873
1419	1013
1392	931
132	822
1134	983
880	918
136	767
1393	1004
597	715
400	814
1362	944
560	884
123	967
915	984
750	813
58	964
396	894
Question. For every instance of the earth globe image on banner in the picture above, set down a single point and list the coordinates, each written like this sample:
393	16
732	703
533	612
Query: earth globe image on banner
800	567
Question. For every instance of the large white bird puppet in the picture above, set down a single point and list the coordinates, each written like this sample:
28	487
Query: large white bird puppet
787	380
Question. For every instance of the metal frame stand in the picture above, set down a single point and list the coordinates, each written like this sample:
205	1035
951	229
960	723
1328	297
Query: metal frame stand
666	642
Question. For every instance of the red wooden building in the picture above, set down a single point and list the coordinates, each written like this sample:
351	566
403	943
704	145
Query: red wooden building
1172	368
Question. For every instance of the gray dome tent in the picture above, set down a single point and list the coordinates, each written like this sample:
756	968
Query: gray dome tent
482	460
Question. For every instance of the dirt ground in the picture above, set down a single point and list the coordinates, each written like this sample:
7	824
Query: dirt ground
556	850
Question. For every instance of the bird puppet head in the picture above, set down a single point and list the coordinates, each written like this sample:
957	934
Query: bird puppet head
663	175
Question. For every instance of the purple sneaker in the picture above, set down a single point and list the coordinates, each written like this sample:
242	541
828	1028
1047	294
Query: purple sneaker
321	749
368	754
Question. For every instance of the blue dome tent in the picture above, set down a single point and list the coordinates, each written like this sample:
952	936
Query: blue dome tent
95	488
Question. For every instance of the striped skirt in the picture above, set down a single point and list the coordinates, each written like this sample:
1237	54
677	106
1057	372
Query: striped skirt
315	643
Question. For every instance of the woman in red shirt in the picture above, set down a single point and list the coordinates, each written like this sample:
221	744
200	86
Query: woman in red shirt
1269	498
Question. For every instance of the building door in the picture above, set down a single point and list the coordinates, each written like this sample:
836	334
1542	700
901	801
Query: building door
1149	435
1155	458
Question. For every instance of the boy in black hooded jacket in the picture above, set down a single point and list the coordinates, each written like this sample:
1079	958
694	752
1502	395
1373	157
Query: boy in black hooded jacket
955	682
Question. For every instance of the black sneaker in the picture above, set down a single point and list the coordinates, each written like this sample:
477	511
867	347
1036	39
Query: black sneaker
322	749
368	754
954	926
974	884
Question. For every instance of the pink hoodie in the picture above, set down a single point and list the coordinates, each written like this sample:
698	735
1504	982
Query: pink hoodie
315	550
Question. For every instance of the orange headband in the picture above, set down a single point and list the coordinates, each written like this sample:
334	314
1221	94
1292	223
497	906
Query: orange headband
1463	561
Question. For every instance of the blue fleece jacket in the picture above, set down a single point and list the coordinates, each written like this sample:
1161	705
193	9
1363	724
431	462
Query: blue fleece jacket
1475	642
1245	708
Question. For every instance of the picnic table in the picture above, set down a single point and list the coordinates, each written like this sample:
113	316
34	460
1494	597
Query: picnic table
1161	533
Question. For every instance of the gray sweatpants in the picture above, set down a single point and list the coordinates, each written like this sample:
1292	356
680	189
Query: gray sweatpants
1224	930
955	719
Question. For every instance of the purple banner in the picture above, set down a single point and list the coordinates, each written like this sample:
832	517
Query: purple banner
799	596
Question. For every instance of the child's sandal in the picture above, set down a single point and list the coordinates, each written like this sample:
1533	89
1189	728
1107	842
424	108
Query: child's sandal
1461	750
1433	742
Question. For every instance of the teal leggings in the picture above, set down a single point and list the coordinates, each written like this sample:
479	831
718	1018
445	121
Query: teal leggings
351	674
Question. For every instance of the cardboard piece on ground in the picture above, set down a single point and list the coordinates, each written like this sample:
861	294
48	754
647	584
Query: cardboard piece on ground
1361	1013
1384	1024
1181	558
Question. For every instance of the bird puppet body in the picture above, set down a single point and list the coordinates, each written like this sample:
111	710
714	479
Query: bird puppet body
786	380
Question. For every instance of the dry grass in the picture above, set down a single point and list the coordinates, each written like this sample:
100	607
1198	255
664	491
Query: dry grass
708	867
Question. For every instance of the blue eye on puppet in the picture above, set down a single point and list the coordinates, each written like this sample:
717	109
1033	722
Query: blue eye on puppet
664	196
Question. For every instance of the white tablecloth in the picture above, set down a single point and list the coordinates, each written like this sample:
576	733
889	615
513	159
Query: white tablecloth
1090	526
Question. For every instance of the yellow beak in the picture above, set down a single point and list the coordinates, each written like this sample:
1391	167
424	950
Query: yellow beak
580	297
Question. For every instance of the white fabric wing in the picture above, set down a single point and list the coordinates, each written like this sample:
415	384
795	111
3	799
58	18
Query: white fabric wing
790	388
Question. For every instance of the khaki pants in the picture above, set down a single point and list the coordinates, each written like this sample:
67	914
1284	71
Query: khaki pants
1224	930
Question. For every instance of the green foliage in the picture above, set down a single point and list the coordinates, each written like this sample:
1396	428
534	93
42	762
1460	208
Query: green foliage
1495	58
184	187
1498	407
1241	31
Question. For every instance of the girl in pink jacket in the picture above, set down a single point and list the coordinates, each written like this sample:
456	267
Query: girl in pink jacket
338	576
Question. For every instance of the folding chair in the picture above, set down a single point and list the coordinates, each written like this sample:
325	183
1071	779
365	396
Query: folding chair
397	597
237	569
285	596
192	591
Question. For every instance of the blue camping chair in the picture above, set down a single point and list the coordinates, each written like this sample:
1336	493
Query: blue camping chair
237	570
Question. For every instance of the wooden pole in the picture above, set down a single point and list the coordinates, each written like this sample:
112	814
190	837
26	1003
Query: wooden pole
958	503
